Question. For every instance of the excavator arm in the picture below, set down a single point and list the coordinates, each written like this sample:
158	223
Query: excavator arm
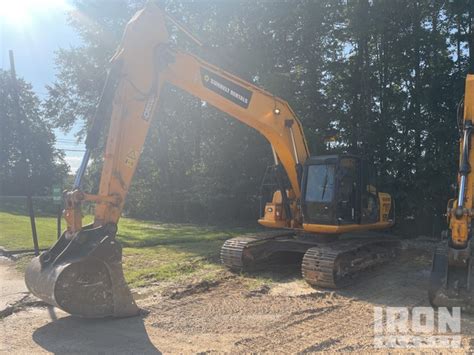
452	274
82	272
147	62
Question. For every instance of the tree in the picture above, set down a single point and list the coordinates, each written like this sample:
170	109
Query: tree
28	158
381	76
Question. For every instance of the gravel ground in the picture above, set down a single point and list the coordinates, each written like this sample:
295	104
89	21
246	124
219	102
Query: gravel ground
227	315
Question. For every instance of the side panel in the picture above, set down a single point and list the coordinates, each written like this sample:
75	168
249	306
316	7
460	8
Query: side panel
346	228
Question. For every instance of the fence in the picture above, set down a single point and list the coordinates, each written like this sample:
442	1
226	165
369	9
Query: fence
17	228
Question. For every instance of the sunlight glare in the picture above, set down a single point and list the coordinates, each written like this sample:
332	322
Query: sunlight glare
22	13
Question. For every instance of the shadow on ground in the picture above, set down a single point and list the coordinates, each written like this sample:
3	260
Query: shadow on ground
75	335
402	282
280	267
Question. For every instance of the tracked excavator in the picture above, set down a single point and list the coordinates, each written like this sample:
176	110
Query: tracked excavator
310	196
452	269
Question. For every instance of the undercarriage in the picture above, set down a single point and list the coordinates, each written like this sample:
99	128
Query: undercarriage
328	261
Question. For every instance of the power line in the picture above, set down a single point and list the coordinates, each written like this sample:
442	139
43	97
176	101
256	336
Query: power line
72	150
65	144
68	145
72	144
67	141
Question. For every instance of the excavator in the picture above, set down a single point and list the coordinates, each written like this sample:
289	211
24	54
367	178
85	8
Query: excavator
314	199
452	269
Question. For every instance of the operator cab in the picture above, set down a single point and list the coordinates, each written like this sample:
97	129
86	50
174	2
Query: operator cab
338	190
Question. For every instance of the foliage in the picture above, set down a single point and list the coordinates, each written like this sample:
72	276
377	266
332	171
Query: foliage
384	75
28	159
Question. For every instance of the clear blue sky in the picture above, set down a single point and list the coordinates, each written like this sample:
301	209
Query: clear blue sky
34	30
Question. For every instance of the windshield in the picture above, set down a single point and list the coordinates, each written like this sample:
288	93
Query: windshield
320	183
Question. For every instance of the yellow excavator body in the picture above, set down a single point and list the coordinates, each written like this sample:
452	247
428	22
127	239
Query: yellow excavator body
452	276
82	273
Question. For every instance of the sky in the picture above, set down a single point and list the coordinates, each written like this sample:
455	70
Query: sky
34	30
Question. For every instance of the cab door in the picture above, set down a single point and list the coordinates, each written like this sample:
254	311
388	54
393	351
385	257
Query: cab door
319	187
369	196
348	199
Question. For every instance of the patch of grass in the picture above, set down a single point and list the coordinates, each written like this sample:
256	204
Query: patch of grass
15	231
256	281
159	252
153	252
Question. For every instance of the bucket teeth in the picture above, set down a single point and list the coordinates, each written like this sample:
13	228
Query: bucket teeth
83	276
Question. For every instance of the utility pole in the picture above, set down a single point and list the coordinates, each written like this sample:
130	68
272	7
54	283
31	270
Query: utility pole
470	38
24	159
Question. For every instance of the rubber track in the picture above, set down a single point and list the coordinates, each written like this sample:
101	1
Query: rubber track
320	263
232	252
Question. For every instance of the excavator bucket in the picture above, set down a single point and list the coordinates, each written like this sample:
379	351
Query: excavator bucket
452	279
83	275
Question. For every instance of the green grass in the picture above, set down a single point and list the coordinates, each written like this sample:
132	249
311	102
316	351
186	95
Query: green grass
15	231
153	252
157	252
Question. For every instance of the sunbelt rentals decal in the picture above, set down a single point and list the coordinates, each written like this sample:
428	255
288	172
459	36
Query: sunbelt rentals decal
226	88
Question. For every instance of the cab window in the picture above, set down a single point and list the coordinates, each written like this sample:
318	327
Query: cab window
320	183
